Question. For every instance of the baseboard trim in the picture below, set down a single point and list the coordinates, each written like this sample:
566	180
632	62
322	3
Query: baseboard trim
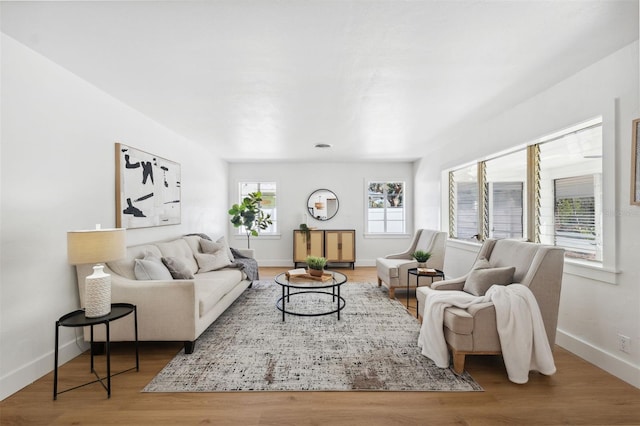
608	362
29	373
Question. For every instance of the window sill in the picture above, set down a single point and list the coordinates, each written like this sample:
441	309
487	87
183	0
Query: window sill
386	236
591	270
259	237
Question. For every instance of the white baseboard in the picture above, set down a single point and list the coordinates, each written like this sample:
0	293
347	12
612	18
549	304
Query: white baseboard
288	263
29	373
620	368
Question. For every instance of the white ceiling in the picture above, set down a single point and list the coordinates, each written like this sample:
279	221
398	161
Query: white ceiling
268	79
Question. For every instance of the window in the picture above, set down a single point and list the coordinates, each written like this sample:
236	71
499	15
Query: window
549	192
385	207
464	202
268	204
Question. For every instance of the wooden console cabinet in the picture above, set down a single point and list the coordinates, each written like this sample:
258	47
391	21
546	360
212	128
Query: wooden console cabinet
337	245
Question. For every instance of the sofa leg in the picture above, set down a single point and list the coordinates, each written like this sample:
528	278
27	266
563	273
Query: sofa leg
379	282
458	362
189	347
392	293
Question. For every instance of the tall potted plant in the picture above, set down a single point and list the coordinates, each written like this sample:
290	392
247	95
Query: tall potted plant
249	214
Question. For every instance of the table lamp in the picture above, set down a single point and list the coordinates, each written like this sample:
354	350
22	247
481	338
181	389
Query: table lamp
99	245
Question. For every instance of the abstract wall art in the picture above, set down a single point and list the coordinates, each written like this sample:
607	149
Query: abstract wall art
147	189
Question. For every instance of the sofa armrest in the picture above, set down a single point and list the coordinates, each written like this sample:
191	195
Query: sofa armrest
452	284
250	253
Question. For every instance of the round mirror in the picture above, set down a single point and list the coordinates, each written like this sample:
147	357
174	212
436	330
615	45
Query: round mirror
322	204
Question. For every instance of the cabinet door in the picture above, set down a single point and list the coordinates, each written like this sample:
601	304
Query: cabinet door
340	246
302	247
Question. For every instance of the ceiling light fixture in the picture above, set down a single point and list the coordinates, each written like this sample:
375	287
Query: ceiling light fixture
323	145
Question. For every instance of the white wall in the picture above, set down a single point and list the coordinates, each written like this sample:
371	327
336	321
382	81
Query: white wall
596	304
57	169
296	181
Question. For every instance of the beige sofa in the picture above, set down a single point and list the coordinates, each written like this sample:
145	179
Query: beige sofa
168	309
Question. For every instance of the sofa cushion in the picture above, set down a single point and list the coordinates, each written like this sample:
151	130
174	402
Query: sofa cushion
177	268
479	280
210	291
212	261
125	267
151	268
179	249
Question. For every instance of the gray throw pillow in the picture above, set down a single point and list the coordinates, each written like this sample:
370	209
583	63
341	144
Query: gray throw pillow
177	268
480	280
147	269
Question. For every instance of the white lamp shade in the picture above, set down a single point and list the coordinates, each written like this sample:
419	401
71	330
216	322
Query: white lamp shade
98	245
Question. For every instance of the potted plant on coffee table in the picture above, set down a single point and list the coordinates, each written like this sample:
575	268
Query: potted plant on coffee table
421	257
316	265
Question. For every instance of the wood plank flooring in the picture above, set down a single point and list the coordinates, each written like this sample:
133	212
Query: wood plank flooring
579	393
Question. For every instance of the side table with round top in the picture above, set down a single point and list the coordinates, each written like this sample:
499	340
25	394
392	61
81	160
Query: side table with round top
414	271
79	319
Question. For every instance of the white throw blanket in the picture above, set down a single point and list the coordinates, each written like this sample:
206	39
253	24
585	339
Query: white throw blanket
523	339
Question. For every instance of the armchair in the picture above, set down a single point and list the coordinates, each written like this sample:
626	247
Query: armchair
474	330
392	269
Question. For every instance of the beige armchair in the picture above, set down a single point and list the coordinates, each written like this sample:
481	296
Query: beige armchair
473	331
392	269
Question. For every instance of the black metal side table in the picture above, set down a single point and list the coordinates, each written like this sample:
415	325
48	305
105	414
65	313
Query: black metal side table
79	319
414	271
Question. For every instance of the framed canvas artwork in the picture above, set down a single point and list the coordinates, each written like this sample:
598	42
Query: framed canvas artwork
147	189
635	163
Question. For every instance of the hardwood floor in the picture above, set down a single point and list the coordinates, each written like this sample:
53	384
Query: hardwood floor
578	393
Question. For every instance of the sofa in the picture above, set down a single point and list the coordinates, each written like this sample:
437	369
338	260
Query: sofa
180	287
474	330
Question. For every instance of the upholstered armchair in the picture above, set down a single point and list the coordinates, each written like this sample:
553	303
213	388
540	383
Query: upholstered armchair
473	330
392	269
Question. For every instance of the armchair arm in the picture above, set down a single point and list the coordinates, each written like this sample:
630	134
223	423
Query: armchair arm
452	284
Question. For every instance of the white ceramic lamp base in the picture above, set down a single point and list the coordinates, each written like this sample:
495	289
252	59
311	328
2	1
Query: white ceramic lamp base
97	293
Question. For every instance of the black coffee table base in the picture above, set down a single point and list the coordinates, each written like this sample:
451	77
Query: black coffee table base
281	304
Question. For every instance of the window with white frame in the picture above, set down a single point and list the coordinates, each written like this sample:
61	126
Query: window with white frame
385	209
268	203
564	174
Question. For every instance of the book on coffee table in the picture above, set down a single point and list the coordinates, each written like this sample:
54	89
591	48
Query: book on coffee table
301	275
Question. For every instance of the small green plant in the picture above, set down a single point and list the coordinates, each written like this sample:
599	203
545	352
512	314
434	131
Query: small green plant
316	262
306	232
421	256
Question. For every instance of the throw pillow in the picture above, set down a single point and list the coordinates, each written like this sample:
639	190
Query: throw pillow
145	269
177	268
479	280
210	247
212	262
481	263
223	241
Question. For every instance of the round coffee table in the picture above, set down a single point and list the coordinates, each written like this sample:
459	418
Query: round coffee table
302	286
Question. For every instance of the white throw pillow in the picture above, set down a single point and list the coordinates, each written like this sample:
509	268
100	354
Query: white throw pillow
212	262
148	269
210	247
223	240
480	280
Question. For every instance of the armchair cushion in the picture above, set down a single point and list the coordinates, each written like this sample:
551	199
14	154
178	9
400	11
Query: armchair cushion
480	280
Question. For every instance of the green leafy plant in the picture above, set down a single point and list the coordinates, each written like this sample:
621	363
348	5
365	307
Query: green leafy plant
316	262
249	215
306	232
421	256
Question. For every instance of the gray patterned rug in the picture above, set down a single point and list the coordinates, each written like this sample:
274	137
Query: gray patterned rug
249	348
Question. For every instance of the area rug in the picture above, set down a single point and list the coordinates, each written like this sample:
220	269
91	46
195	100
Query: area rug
249	348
